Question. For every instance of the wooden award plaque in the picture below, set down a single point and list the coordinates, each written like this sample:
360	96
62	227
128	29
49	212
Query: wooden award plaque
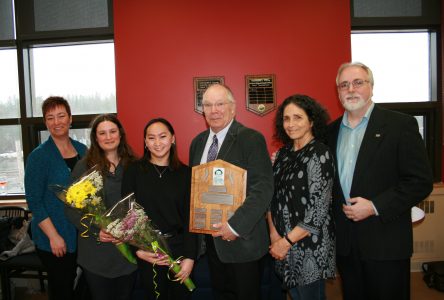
218	188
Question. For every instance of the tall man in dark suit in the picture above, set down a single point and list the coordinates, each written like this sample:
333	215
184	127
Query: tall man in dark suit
235	249
382	172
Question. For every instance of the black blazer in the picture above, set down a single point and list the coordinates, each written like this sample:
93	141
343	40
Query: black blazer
245	148
393	171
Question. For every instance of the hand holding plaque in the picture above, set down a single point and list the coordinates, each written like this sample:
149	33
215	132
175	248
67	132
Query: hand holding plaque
218	188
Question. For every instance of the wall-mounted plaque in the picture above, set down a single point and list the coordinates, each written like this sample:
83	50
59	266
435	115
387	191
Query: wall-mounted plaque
200	85
218	188
260	93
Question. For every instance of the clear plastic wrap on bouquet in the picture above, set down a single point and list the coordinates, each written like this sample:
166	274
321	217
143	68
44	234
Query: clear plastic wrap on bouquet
85	195
130	224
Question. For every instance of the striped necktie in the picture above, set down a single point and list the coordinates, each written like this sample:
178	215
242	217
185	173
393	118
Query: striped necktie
212	152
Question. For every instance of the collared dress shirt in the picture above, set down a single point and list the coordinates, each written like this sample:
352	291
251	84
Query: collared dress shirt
349	143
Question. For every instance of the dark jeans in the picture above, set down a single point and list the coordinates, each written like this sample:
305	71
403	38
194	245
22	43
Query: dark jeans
61	274
312	291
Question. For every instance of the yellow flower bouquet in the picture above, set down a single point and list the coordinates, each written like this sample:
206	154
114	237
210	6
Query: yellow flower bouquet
85	195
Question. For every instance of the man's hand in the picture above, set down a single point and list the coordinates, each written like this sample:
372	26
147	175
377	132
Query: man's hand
360	209
224	232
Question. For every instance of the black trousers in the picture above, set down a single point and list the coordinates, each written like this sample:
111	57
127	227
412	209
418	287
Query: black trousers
157	286
61	274
233	281
102	288
373	280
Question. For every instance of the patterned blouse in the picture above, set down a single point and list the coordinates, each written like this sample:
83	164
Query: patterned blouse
302	197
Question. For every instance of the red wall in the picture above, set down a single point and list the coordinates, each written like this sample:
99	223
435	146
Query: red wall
161	45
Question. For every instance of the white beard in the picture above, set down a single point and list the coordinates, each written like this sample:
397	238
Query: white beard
353	106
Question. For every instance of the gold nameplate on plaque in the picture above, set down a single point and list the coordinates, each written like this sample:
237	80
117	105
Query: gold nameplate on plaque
218	188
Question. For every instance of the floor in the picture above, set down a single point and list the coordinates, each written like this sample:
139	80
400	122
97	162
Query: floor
419	291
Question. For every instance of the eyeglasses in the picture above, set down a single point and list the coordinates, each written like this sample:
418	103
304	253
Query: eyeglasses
357	83
218	105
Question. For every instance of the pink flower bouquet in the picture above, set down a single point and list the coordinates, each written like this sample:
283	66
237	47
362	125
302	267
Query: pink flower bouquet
130	224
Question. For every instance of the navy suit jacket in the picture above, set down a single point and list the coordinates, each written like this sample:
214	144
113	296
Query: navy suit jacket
245	148
393	171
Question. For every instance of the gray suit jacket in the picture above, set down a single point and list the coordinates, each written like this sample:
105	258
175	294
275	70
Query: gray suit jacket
245	148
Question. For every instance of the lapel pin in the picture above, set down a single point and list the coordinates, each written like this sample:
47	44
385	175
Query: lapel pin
378	135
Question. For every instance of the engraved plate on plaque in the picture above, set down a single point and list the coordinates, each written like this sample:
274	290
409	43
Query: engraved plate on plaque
212	198
218	188
199	217
216	216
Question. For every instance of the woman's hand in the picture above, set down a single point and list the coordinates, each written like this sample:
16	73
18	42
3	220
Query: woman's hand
186	266
105	237
58	245
274	236
153	258
56	241
273	157
279	248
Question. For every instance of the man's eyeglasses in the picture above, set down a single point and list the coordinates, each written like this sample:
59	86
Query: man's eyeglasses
217	105
357	83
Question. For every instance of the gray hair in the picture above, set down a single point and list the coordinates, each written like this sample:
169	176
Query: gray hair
230	96
355	64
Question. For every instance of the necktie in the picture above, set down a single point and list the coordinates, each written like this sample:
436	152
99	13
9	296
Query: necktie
212	152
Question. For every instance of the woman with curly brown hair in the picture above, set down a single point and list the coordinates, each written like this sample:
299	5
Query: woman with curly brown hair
300	217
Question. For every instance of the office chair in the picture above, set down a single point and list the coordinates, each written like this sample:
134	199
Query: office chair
22	265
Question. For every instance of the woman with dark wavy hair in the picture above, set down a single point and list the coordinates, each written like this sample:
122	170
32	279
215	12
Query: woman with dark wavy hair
300	220
107	272
161	184
96	154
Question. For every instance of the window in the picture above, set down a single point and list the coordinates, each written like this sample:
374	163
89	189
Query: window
9	91
82	74
59	48
78	134
400	62
405	69
398	40
11	159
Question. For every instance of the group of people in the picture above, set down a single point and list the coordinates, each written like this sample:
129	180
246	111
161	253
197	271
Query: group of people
335	197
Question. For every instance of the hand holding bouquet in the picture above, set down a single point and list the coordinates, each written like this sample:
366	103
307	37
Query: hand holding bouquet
85	195
130	224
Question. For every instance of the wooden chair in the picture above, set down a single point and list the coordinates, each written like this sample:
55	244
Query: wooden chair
23	265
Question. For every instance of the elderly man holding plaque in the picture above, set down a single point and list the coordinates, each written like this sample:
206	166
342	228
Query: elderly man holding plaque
236	246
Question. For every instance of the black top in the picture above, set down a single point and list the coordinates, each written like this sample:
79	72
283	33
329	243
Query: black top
71	162
303	182
166	200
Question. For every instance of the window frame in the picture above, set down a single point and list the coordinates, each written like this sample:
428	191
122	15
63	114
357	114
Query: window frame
430	110
25	40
